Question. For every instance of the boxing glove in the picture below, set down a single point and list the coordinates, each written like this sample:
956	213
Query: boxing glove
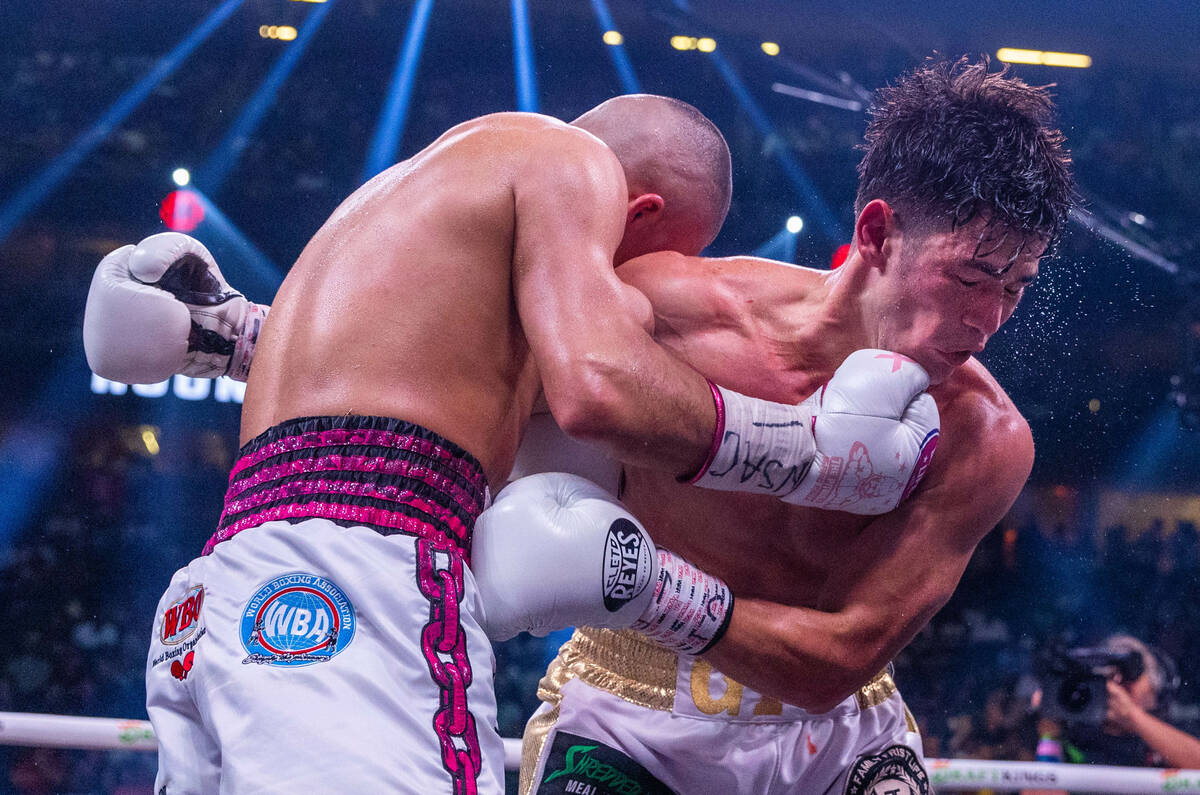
556	550
859	444
161	308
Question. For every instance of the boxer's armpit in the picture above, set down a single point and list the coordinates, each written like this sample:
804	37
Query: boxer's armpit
545	448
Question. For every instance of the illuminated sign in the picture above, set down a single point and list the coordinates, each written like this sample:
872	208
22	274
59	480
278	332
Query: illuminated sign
222	390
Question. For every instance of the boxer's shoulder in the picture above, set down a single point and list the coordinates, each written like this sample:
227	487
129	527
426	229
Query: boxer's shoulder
980	420
545	138
542	142
505	123
553	163
973	389
715	289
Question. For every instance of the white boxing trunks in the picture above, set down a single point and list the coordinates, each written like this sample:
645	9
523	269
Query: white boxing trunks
623	717
333	645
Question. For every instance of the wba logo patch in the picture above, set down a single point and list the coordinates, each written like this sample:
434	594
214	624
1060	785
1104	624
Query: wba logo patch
296	619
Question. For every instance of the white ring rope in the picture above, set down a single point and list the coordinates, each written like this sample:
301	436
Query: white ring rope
947	775
68	731
956	775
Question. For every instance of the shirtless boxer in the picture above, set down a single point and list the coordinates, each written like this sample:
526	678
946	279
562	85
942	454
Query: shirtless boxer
963	186
338	645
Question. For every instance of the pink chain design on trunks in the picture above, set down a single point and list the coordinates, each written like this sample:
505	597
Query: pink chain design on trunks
444	643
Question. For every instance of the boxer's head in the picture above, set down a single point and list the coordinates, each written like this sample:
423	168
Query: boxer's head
677	166
964	186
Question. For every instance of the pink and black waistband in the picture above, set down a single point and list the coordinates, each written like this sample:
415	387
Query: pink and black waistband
392	476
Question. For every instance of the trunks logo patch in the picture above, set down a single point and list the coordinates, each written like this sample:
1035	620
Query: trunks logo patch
296	619
586	767
896	770
627	564
182	618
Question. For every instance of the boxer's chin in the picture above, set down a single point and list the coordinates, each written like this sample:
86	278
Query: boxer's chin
939	366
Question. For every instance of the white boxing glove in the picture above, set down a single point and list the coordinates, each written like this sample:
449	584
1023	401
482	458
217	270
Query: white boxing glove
556	550
163	308
860	444
876	430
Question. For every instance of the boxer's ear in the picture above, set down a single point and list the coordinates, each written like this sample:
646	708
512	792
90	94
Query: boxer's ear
876	235
643	207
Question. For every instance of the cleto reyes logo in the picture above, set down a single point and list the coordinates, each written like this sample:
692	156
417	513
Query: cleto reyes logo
182	618
627	564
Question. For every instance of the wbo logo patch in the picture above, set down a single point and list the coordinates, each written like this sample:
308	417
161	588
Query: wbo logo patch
296	619
182	618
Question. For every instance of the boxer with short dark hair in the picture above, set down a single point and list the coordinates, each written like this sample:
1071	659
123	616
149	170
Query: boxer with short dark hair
340	643
964	185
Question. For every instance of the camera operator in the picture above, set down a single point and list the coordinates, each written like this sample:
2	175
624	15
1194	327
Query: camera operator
1119	728
1106	715
1130	713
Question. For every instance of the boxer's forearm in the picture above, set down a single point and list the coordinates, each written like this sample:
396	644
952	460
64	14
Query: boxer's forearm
808	658
658	413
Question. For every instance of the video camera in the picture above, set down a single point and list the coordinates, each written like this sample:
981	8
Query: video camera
1073	682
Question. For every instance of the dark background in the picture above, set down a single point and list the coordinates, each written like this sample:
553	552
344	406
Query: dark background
104	495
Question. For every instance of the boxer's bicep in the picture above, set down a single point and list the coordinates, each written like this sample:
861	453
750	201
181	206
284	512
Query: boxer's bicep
899	570
569	222
907	563
604	378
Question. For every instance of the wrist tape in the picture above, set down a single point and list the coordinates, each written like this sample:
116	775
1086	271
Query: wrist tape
690	609
759	446
247	340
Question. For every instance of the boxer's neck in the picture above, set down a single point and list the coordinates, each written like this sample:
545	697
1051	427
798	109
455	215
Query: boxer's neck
823	323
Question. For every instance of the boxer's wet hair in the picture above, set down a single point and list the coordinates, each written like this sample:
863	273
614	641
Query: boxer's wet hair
668	147
952	140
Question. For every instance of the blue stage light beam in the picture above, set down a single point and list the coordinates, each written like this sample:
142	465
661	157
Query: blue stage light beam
33	450
1160	446
629	81
807	190
36	191
781	247
390	130
258	277
527	90
227	153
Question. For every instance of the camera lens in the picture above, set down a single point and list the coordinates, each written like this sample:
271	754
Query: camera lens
1074	695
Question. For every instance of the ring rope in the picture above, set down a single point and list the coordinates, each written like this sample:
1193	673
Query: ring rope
946	775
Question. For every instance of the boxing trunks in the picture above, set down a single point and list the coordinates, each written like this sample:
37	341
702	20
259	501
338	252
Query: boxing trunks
620	715
327	639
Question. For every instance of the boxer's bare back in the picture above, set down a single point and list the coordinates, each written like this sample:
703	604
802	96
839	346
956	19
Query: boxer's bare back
855	582
402	305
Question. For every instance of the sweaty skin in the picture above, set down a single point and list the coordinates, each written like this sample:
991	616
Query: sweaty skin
826	599
450	288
